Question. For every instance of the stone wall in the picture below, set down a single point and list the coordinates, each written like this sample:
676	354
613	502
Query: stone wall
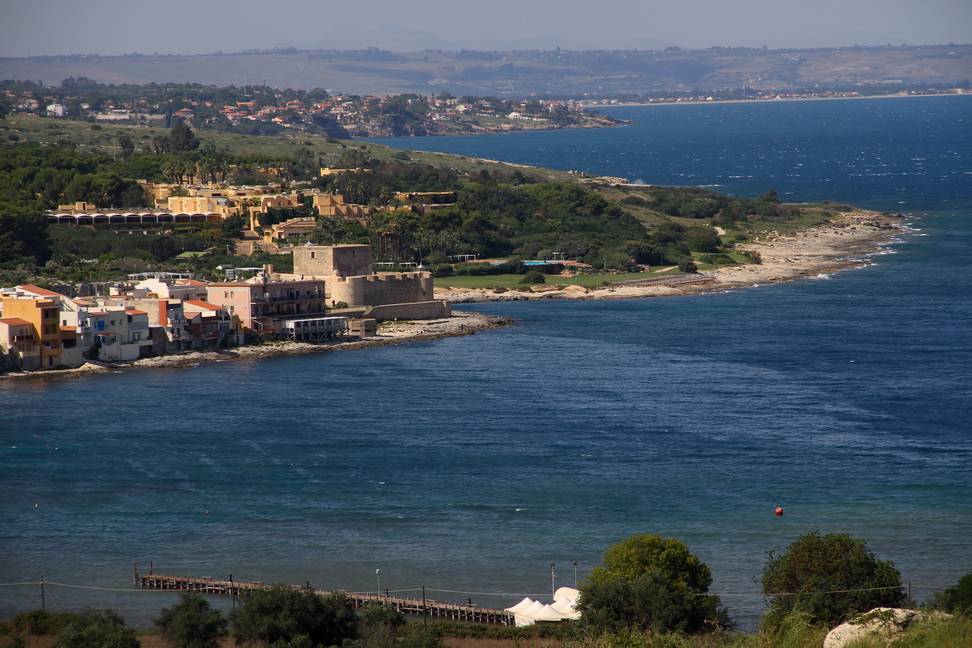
378	290
332	260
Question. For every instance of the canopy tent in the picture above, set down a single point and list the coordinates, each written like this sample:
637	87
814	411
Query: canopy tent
527	612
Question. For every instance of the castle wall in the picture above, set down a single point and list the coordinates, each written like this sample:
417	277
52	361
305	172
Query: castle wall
385	288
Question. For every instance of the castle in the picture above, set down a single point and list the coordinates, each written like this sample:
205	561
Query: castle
346	270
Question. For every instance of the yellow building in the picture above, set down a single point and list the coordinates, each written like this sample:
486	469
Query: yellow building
41	309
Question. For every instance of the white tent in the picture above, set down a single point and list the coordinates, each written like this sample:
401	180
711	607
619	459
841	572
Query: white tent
522	605
567	592
527	612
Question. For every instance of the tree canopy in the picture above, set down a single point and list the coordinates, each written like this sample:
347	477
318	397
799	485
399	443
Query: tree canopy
830	577
640	554
294	616
192	622
650	583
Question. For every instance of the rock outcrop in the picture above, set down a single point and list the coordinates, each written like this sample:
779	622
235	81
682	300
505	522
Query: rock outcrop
886	623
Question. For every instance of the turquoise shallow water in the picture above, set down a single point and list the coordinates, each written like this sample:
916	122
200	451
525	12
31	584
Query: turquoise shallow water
470	464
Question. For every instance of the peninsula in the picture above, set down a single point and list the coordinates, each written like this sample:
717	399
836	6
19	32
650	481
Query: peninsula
146	257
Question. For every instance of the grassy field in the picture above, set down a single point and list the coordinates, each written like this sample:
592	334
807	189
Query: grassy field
104	138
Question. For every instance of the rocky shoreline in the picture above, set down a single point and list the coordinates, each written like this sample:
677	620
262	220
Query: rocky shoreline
389	333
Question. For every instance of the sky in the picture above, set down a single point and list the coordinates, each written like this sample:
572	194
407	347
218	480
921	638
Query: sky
111	27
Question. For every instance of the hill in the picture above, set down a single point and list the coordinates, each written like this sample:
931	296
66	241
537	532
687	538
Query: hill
523	73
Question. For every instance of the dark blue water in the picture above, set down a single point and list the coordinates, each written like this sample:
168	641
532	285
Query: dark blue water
470	464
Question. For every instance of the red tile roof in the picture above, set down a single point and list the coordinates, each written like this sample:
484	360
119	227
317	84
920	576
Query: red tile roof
39	291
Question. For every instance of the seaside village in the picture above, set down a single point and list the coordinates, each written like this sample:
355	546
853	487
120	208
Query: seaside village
158	313
333	291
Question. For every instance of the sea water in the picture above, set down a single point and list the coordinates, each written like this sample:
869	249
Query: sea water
468	465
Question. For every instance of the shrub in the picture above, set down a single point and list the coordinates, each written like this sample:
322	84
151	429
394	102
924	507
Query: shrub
688	266
652	584
830	578
958	598
97	628
299	616
533	277
40	622
192	622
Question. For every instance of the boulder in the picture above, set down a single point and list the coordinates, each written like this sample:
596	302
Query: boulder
886	623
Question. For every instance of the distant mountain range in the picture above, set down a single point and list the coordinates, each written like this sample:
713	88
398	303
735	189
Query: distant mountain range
515	74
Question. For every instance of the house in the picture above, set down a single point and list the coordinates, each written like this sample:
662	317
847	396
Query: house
119	334
18	344
333	205
211	325
263	303
41	309
293	228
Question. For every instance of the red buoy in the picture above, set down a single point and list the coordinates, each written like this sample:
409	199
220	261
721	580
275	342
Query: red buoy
779	510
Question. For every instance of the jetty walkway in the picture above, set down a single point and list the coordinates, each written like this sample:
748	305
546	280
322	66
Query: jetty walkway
422	607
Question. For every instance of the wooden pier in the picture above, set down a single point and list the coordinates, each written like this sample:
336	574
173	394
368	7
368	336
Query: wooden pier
414	607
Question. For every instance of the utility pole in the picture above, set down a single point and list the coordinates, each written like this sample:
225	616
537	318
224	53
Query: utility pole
378	574
553	581
42	592
575	574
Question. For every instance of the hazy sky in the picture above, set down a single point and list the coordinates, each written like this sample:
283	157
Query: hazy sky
30	28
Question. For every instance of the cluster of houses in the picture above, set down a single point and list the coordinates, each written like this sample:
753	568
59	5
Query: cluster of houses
216	203
332	292
348	111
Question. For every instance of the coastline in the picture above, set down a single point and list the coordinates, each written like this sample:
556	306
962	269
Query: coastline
641	104
841	244
389	333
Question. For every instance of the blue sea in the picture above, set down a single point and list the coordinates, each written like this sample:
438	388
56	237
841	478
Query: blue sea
469	465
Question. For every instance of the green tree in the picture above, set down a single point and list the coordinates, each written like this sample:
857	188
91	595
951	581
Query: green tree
127	147
192	622
97	629
299	616
650	583
23	234
829	577
181	138
688	266
649	602
640	554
